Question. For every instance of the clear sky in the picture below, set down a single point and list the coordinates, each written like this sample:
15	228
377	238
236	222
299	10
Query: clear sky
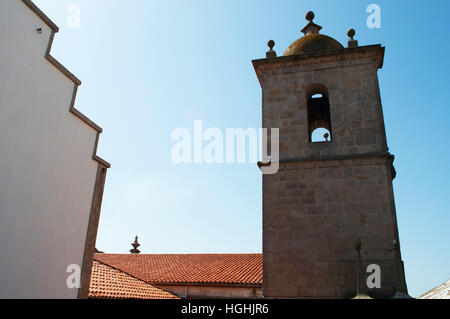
149	67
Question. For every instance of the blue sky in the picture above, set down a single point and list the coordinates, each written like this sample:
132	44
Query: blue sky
149	67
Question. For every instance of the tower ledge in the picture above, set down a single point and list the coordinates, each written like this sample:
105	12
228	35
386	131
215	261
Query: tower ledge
328	56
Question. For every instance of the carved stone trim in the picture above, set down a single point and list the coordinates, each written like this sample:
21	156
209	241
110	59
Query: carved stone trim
331	158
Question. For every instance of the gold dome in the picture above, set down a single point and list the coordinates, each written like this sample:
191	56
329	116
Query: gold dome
311	43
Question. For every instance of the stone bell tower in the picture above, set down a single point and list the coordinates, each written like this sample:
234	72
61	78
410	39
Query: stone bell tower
329	212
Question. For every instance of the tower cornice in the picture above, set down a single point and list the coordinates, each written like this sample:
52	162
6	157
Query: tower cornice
377	51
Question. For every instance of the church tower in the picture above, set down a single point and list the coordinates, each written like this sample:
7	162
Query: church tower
329	212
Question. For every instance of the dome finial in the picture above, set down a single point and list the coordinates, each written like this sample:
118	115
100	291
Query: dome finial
311	27
309	16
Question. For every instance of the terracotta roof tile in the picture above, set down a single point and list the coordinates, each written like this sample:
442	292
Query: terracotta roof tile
111	283
235	269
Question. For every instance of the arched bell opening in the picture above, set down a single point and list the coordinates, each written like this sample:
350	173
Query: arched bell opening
319	117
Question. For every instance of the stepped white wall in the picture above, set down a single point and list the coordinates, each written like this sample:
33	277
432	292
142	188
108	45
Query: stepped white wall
47	173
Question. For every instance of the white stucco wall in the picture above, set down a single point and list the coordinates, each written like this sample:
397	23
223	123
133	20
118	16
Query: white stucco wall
47	173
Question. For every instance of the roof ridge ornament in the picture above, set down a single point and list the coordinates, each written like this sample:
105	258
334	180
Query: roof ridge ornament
311	27
135	245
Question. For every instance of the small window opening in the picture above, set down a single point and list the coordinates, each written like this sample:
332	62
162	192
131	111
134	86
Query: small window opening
319	119
320	135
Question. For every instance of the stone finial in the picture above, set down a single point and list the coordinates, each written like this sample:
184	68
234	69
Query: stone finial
271	53
311	27
352	43
326	136
351	33
135	245
310	15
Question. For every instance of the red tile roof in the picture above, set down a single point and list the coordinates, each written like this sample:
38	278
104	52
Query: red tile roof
228	269
110	283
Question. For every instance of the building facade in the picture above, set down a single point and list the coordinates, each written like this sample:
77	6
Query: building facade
329	212
51	179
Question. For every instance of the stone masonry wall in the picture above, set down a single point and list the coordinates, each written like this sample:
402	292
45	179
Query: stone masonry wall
313	214
356	113
327	195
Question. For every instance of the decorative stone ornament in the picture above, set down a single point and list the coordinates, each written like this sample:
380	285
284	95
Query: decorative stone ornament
311	27
310	16
352	43
271	53
135	245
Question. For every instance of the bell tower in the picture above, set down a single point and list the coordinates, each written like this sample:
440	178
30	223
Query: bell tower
329	212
